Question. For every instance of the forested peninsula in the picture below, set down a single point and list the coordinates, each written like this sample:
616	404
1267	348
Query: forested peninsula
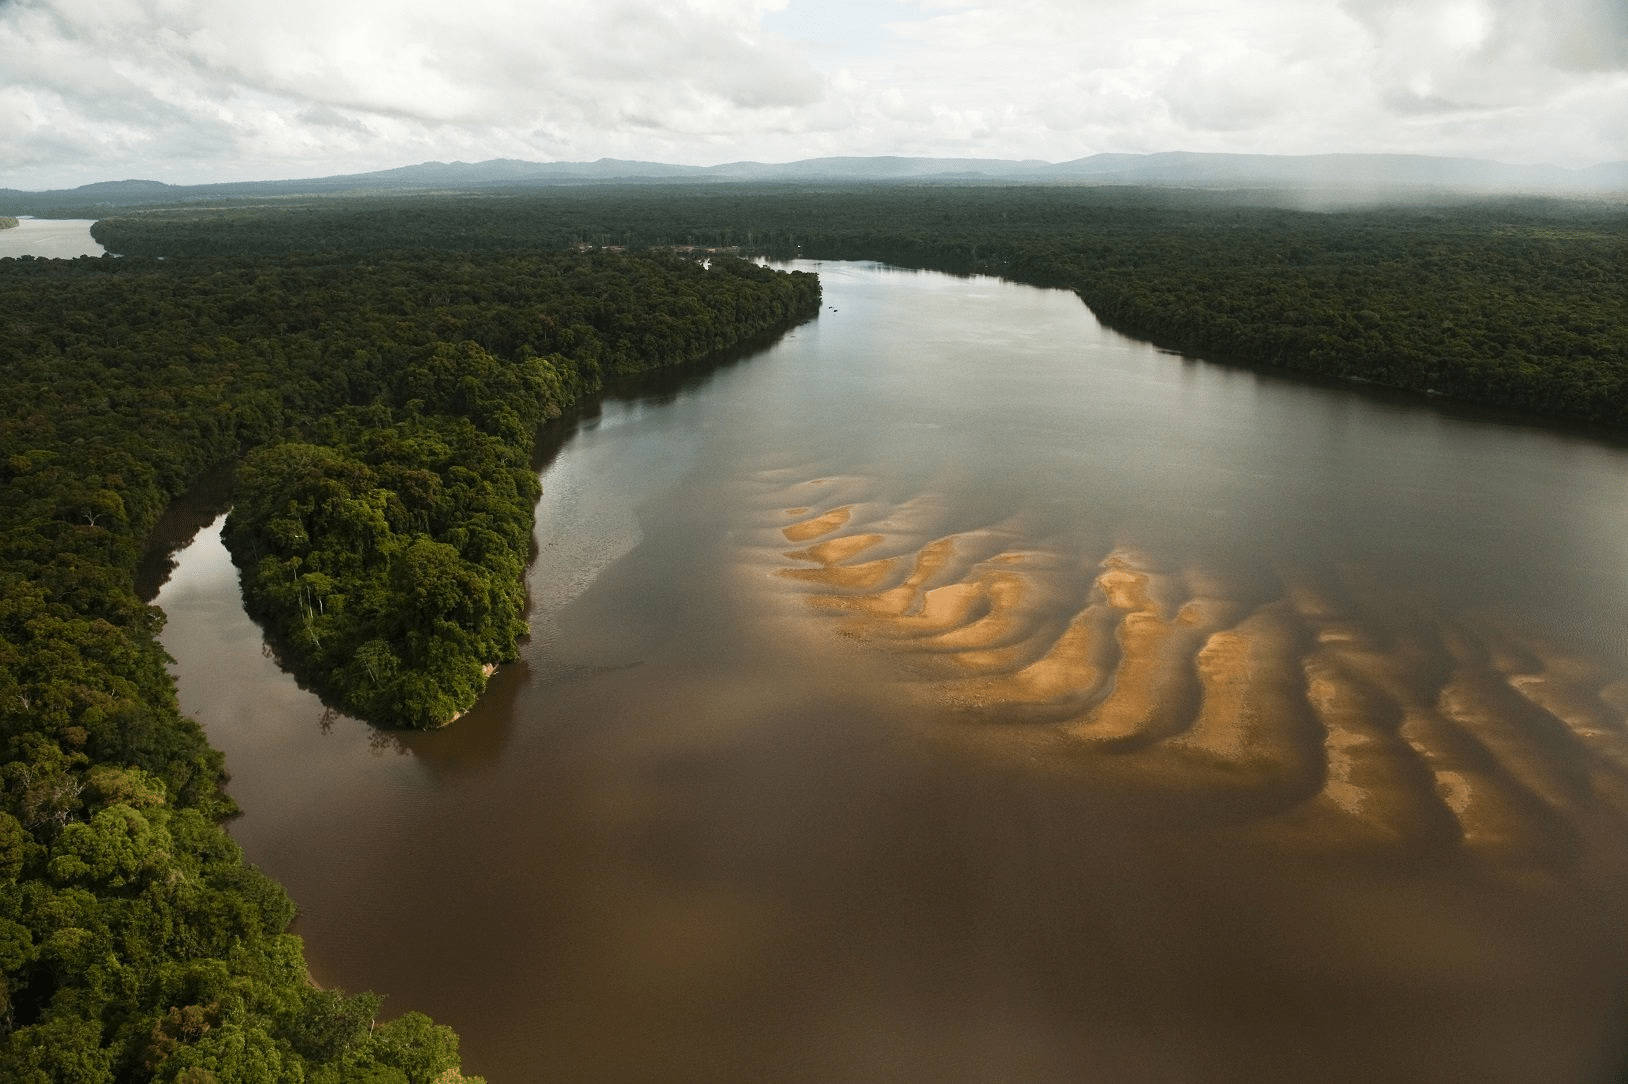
388	404
386	548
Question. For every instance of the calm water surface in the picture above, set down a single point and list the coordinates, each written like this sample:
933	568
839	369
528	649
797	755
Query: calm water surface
50	238
958	691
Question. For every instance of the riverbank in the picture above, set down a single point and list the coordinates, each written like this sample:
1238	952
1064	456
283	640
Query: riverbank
386	551
139	906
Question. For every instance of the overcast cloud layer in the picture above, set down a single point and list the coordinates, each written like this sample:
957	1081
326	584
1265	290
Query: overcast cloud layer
193	91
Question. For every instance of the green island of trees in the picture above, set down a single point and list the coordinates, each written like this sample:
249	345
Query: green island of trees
7	222
388	404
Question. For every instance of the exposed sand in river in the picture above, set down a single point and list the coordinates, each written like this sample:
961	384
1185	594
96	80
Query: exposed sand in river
1321	709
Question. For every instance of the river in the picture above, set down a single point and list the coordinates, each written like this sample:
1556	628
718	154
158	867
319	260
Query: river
958	691
50	238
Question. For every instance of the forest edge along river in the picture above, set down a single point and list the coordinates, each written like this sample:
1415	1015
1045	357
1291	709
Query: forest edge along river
959	691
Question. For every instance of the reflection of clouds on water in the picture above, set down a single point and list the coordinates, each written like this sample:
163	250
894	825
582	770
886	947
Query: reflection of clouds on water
50	238
588	518
207	564
581	530
1332	711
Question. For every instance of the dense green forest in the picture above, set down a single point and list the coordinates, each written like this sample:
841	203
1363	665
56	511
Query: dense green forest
388	405
1515	303
387	547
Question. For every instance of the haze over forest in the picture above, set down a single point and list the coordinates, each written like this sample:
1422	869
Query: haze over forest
1358	176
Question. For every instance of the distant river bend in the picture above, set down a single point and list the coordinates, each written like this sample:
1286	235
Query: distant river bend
959	691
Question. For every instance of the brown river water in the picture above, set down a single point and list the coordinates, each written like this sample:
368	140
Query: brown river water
957	691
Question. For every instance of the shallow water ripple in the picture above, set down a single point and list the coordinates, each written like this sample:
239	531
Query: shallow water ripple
1330	712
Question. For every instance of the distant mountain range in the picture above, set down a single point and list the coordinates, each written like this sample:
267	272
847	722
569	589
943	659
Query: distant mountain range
1376	173
1178	168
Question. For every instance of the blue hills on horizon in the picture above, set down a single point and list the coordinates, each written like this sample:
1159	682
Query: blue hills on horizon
1334	172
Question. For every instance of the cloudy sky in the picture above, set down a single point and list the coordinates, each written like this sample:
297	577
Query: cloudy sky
191	91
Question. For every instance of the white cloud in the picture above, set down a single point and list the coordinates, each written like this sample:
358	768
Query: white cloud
194	90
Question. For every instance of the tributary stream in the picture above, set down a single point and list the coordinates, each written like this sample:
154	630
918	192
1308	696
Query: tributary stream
957	691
